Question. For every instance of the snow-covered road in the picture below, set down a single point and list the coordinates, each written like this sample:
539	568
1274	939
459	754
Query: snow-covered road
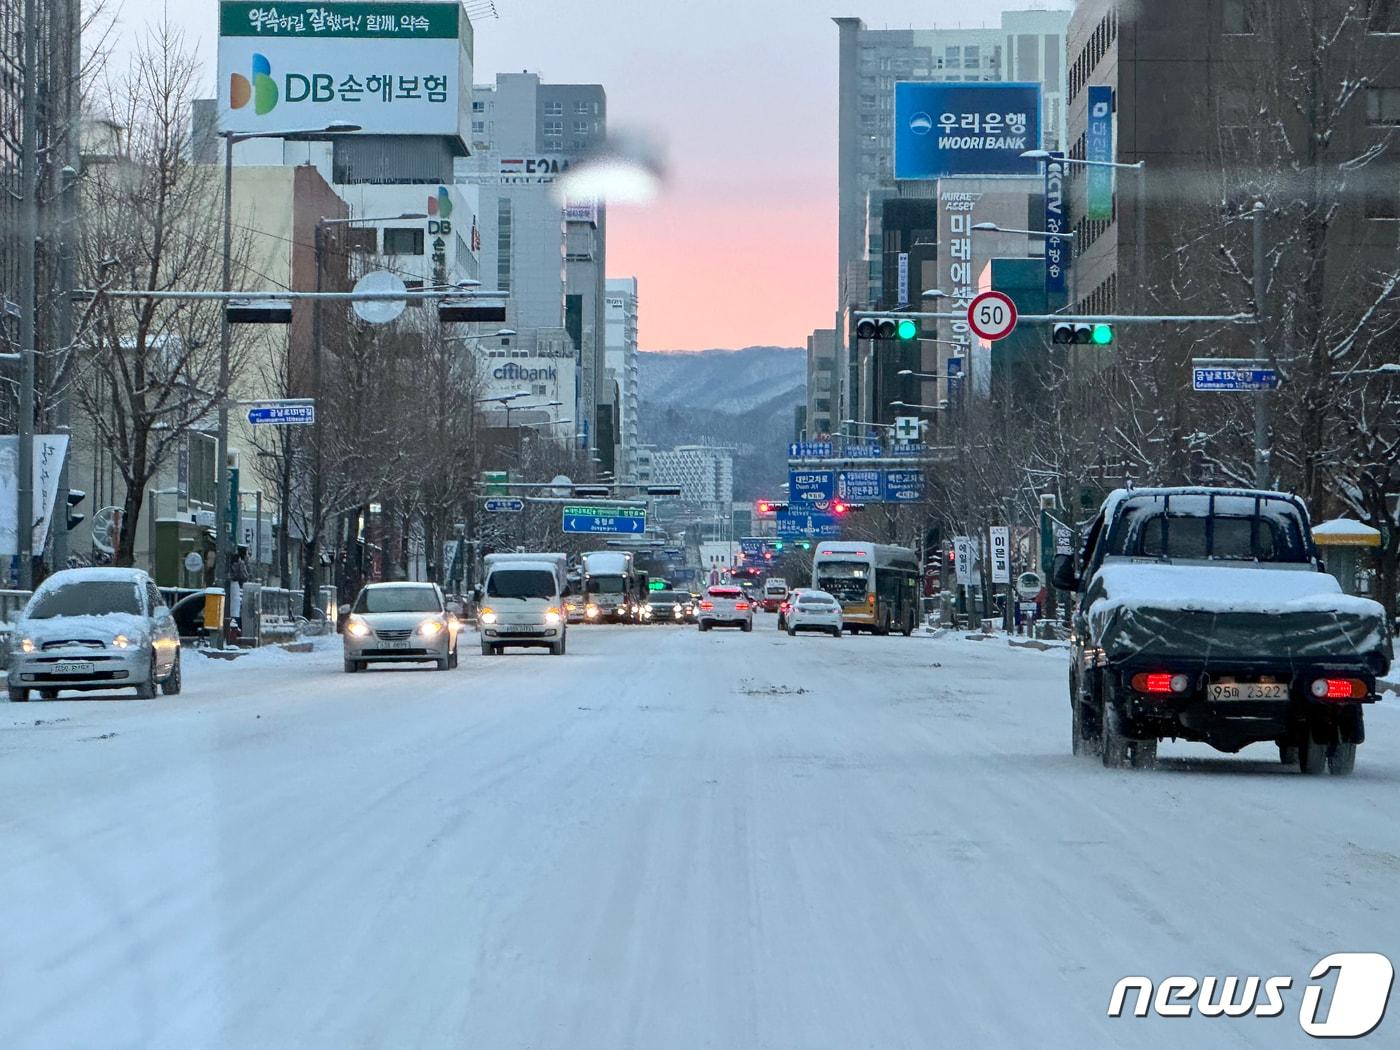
662	840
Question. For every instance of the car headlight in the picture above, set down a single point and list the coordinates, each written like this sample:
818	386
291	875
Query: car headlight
121	641
591	611
26	645
357	627
551	617
487	616
428	628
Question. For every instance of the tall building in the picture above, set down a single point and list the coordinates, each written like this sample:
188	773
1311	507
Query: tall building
525	134
1027	46
705	474
821	382
624	369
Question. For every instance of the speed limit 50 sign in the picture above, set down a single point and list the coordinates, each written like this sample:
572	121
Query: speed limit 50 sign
992	316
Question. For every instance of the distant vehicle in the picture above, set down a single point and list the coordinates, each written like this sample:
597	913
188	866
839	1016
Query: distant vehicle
814	611
399	623
610	586
670	607
786	605
1205	614
725	606
774	593
574	600
91	629
877	585
522	603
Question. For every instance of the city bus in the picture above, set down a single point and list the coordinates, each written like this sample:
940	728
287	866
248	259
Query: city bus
877	585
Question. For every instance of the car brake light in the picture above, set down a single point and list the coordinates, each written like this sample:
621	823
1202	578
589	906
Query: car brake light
741	606
1160	682
1339	689
707	605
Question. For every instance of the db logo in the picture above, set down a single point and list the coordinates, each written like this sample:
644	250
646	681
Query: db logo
1359	995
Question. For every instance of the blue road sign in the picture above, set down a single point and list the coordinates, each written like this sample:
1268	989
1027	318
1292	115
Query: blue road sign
811	486
620	520
809	450
859	486
1229	374
281	415
862	450
511	504
801	524
751	544
903	486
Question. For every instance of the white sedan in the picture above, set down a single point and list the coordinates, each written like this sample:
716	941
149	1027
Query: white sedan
725	607
814	611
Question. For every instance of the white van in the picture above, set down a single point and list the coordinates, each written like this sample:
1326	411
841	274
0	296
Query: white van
522	604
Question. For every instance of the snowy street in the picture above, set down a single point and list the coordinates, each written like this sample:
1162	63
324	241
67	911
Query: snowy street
664	839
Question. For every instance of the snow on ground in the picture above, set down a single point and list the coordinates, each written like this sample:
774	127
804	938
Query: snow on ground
663	839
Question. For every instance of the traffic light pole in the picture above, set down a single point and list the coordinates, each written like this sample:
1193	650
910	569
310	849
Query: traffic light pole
1261	397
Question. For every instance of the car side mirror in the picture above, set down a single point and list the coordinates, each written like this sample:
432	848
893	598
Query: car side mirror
1062	574
476	594
343	609
1321	565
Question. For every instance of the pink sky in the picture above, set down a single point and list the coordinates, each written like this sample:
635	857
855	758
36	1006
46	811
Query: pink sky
741	248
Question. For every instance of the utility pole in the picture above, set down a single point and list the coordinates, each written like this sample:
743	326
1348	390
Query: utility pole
1261	397
67	258
28	233
311	552
223	538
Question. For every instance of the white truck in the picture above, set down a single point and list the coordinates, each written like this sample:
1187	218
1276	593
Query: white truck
522	602
610	586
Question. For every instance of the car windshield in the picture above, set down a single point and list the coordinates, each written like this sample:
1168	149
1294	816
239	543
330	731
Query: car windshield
847	581
1195	526
86	598
726	592
397	600
807	601
606	585
520	583
668	597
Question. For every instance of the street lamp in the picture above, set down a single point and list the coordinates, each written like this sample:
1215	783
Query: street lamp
311	543
924	408
1140	219
926	375
223	526
933	293
1047	235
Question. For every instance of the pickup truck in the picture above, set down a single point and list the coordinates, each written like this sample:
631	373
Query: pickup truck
1205	614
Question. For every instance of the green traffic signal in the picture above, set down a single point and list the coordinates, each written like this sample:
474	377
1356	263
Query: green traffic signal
1102	335
908	329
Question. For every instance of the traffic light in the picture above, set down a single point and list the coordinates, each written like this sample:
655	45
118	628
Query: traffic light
1079	334
777	545
75	496
886	327
838	507
806	545
768	506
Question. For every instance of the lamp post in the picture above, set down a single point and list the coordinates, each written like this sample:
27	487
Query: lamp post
223	526
311	543
1045	235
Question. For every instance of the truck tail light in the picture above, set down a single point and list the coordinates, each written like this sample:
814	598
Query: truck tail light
1159	683
1339	689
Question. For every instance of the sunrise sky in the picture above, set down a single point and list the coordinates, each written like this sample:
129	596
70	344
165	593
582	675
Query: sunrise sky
741	248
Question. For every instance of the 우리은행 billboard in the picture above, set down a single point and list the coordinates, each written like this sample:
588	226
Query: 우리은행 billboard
965	129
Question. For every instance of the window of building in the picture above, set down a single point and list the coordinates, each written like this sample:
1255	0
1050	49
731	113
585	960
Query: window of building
554	127
1383	16
1383	105
952	58
581	127
363	240
583	109
503	242
478	107
972	57
403	240
580	143
478	127
554	109
1239	16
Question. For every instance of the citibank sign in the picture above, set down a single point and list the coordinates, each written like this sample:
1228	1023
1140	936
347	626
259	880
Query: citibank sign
522	374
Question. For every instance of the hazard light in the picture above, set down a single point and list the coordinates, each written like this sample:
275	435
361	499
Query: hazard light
1339	689
1159	682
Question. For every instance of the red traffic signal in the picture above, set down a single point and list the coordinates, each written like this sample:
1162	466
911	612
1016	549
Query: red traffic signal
838	507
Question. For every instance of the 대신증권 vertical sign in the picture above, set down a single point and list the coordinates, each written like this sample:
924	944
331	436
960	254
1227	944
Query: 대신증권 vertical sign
390	68
1098	149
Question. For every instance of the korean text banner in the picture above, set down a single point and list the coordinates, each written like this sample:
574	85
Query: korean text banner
965	129
1098	148
391	68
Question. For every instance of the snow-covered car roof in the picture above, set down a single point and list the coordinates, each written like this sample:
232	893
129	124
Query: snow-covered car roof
67	576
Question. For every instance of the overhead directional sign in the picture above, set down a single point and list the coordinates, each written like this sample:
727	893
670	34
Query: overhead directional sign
620	520
858	486
904	486
992	316
751	544
811	486
1231	374
799	524
282	414
809	450
510	504
862	450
